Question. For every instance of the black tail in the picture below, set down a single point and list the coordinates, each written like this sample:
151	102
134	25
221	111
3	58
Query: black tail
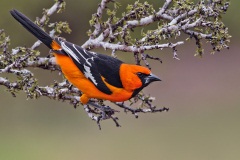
32	27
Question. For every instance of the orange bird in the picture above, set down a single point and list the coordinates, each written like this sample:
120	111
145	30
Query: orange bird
95	75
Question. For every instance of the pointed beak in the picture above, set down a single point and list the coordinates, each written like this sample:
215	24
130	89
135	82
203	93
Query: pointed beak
151	78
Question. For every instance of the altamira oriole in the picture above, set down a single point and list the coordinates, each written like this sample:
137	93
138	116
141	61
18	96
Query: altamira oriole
95	75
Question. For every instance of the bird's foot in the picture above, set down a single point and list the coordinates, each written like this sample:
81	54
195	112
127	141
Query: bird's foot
104	112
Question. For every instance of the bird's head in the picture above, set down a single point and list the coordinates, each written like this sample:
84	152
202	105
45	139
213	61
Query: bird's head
135	77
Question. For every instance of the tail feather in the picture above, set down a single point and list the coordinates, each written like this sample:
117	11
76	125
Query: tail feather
32	27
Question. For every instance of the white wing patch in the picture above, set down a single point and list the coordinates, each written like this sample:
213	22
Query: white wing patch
88	74
73	54
70	52
82	55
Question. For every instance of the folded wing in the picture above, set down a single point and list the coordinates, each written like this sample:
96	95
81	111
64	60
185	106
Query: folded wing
95	67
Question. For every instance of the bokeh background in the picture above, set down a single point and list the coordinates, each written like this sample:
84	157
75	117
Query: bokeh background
203	95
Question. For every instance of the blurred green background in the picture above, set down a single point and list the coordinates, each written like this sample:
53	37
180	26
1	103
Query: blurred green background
203	95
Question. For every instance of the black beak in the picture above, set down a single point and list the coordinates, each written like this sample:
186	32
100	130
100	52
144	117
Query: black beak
151	78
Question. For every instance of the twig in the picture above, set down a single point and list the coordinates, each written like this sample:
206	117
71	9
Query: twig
44	18
135	111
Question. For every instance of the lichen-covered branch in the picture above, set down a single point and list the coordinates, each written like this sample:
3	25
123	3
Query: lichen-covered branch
199	20
57	7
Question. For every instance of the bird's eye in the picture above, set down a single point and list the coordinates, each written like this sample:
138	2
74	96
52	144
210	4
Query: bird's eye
141	75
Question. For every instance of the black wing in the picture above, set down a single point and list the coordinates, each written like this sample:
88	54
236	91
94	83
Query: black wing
109	68
94	65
